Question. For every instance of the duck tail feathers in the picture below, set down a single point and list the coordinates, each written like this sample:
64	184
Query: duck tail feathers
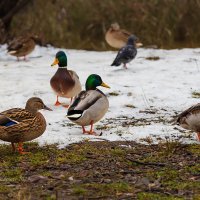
74	114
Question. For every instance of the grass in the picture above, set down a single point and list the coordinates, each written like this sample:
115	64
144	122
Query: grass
101	170
103	189
153	196
153	58
130	106
195	94
166	23
113	94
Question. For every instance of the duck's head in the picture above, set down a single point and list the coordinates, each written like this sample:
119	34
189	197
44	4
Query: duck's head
115	26
34	104
94	81
60	59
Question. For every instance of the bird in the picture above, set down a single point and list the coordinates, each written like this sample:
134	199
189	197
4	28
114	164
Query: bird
65	83
117	38
18	125
127	53
22	46
190	119
90	105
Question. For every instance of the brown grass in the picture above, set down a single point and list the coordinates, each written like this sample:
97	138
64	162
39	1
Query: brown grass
82	24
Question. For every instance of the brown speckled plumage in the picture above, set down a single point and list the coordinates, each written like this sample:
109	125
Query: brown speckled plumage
28	123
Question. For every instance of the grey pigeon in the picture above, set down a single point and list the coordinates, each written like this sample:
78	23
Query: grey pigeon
127	53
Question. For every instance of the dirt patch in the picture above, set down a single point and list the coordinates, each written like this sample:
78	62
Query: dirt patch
101	170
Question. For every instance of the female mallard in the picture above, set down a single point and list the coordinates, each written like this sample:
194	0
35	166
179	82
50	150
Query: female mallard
117	38
22	46
19	125
65	83
190	119
90	105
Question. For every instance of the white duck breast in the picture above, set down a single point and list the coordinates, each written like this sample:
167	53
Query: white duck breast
192	122
190	118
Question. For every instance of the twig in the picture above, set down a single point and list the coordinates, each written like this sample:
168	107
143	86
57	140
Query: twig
146	163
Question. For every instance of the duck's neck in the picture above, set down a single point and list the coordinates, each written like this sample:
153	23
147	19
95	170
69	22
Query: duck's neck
31	109
62	67
87	87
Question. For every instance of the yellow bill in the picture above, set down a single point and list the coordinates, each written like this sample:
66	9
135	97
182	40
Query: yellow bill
56	61
105	85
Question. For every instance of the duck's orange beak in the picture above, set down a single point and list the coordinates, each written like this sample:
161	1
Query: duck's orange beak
56	61
105	85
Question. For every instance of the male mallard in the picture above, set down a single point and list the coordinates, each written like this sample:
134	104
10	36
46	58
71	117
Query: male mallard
19	125
90	105
22	46
190	119
127	53
65	83
117	37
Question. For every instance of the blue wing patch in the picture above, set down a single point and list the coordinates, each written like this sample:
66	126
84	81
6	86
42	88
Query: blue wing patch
5	121
10	123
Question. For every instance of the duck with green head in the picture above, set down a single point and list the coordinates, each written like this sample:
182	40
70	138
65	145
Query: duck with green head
90	105
65	83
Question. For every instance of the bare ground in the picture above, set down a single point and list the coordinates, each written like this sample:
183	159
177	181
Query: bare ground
101	170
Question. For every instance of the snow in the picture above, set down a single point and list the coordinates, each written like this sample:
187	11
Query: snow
158	89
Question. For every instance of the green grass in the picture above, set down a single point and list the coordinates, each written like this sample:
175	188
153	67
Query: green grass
103	189
103	170
153	196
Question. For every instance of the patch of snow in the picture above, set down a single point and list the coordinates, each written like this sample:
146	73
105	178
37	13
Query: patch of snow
163	85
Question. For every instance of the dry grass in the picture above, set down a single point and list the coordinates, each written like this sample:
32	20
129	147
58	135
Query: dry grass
82	24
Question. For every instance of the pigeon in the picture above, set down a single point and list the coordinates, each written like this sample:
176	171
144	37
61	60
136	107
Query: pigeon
127	53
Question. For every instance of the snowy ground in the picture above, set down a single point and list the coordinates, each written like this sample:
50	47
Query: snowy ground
143	99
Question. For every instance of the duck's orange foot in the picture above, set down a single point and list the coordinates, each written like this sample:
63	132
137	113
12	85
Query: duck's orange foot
66	105
90	133
57	103
21	150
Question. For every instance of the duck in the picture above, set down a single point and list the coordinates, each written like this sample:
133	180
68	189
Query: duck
127	53
117	38
65	83
22	46
90	105
18	125
190	119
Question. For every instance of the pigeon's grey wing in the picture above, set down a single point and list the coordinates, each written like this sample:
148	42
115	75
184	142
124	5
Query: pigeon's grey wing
119	57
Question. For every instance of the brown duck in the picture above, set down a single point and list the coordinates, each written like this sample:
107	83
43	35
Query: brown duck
117	38
22	46
190	119
19	125
65	83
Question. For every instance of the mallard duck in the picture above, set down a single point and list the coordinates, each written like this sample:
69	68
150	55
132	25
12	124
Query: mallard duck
190	119
65	83
22	46
127	53
90	105
19	125
117	38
